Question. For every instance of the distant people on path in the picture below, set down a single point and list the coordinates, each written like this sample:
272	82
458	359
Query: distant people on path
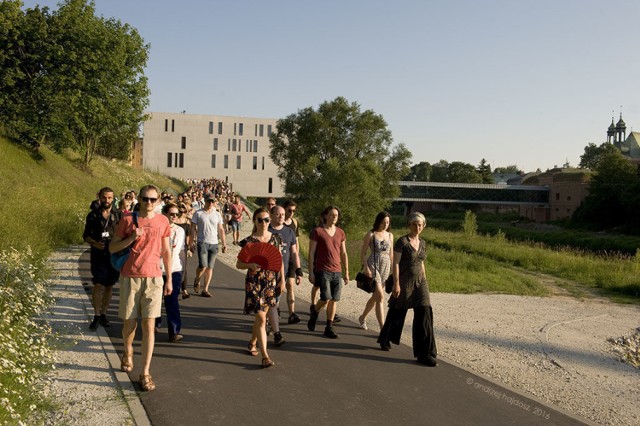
206	233
411	291
141	284
177	241
293	270
236	209
379	242
99	229
289	251
260	286
327	259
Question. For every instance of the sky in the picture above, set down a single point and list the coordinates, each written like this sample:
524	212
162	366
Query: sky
514	82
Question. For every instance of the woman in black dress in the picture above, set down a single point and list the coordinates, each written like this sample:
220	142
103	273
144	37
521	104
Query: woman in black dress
411	291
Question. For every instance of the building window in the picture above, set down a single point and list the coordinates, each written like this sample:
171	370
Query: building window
166	124
215	144
234	144
229	144
173	125
255	163
568	197
226	161
240	126
169	158
238	162
255	133
213	161
220	127
211	127
269	130
183	143
255	146
261	130
182	160
175	159
557	196
262	163
270	185
235	128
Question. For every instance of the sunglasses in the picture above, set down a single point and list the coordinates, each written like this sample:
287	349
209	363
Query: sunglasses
175	214
263	220
149	199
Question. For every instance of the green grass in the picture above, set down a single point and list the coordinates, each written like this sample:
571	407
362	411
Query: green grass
44	199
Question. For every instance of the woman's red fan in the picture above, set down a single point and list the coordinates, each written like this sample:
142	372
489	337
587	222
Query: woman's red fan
266	255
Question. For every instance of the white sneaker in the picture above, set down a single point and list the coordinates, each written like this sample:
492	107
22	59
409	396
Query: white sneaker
363	323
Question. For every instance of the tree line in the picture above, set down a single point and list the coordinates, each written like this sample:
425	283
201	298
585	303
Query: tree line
457	172
71	79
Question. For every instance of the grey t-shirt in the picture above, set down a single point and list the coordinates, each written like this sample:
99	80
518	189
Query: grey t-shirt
207	223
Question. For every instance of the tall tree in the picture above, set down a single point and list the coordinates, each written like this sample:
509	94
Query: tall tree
338	155
484	170
593	154
71	77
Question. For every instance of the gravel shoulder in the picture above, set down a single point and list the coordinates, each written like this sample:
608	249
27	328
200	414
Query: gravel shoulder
557	349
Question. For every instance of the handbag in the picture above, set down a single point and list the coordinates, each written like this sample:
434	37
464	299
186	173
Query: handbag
118	259
365	283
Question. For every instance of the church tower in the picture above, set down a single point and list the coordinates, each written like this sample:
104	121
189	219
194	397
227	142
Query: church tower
611	132
621	131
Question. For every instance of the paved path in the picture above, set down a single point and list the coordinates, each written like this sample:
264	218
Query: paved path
208	378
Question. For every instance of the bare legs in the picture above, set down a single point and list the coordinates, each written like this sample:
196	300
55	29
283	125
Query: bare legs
101	298
148	340
376	300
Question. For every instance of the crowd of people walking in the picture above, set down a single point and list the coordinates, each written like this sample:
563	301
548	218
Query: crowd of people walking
157	232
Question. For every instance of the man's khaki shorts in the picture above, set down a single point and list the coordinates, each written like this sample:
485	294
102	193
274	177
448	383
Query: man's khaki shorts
140	297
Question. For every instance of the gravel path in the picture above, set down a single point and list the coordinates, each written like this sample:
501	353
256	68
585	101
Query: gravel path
560	350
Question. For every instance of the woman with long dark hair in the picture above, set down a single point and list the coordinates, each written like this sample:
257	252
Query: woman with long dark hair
378	241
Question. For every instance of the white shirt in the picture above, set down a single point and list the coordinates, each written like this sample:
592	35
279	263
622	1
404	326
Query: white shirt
207	223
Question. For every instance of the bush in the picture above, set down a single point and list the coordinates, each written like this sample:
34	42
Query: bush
24	337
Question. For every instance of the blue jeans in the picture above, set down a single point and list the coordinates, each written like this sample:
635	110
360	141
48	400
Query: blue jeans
207	254
330	285
171	306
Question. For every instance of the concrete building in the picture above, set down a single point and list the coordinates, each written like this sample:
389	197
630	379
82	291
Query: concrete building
190	146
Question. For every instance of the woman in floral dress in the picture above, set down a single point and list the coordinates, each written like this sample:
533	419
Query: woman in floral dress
260	286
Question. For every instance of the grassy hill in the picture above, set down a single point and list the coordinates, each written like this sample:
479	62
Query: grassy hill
45	197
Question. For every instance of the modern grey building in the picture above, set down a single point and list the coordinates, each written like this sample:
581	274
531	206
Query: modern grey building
190	146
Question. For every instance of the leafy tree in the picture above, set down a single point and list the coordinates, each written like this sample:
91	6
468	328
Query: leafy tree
509	169
455	172
420	172
71	77
613	198
593	154
484	170
338	155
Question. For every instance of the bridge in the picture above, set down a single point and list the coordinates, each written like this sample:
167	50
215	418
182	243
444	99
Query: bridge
471	193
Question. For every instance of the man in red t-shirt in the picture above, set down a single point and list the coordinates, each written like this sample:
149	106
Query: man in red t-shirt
236	209
327	258
141	284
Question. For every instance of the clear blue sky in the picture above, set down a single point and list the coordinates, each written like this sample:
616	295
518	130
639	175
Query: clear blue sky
515	82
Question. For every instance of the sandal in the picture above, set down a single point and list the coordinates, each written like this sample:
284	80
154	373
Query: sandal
126	363
252	349
266	363
146	382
